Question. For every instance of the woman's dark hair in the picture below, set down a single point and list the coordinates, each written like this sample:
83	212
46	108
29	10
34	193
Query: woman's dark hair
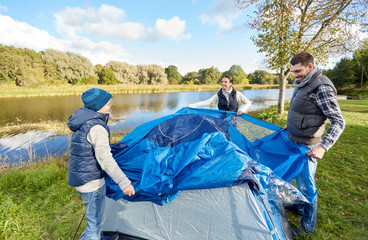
303	58
230	78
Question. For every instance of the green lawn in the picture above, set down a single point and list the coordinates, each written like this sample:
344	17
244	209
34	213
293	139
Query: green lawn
36	202
341	177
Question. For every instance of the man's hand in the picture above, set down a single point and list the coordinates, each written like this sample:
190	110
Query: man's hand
316	152
284	128
129	190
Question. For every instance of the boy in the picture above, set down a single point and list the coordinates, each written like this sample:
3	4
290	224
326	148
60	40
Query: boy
90	157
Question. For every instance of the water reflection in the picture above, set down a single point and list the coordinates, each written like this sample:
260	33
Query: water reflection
31	146
124	106
127	112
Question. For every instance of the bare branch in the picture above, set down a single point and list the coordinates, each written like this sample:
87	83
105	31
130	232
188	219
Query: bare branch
328	21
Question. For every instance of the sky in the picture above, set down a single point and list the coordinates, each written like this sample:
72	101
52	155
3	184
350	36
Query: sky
190	34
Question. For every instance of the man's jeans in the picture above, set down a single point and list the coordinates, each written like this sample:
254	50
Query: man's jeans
95	206
309	216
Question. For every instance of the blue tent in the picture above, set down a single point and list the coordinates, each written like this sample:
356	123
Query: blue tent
200	152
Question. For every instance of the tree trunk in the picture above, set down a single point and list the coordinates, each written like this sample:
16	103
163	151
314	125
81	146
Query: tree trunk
282	84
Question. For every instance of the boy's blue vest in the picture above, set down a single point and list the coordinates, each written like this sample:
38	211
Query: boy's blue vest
231	105
82	164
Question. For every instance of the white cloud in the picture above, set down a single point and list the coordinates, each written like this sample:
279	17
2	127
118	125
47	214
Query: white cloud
78	26
125	31
110	13
21	34
172	29
223	14
73	21
3	8
108	21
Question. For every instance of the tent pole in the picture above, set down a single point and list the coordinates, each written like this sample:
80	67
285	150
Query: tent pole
268	213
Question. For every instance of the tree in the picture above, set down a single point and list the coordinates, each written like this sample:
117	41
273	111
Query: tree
343	74
173	75
125	73
190	77
22	67
98	70
261	77
151	74
73	68
238	75
288	27
107	77
349	72
52	75
10	62
361	57
209	76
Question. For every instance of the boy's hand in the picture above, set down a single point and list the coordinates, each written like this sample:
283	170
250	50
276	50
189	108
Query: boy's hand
129	190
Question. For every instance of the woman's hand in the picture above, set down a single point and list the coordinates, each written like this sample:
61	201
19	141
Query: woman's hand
129	190
239	112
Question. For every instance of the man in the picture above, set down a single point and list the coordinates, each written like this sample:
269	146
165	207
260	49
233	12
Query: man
313	102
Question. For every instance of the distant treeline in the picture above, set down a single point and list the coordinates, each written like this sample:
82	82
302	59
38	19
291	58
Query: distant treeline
25	67
351	72
28	68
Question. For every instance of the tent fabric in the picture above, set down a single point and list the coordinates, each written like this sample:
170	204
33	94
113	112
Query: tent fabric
197	149
229	213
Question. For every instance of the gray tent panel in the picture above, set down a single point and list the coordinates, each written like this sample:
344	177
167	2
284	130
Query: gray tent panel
220	213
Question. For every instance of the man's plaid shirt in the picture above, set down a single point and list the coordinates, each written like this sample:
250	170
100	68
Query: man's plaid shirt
326	99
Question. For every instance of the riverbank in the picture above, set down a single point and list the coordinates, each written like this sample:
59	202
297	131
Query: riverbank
65	90
36	202
59	128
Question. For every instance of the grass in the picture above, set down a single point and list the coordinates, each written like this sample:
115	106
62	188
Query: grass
341	177
13	91
36	202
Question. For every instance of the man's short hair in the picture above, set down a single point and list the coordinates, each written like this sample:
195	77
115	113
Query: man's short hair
303	58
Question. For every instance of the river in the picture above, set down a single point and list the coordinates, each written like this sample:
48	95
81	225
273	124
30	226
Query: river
127	112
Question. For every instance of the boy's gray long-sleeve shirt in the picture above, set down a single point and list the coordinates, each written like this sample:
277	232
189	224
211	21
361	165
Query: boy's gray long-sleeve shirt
99	138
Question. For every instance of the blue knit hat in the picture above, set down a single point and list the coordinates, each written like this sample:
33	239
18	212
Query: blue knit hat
95	98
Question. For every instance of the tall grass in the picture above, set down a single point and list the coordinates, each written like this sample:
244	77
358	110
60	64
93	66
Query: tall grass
56	127
12	91
36	202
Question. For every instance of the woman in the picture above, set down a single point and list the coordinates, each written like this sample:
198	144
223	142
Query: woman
227	98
